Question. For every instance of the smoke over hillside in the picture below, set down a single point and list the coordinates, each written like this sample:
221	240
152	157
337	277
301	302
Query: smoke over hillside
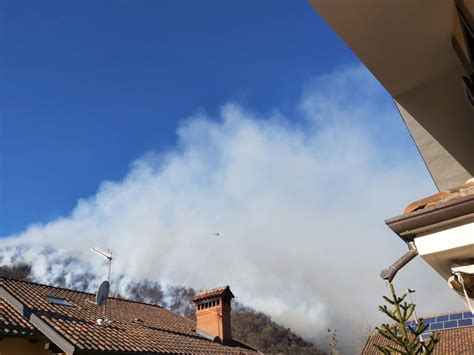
299	205
253	328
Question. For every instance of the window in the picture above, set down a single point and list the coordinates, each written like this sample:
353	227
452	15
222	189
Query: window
59	301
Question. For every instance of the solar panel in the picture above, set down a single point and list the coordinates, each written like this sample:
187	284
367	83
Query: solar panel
447	321
455	316
60	301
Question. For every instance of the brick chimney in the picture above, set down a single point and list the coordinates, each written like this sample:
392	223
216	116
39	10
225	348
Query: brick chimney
213	313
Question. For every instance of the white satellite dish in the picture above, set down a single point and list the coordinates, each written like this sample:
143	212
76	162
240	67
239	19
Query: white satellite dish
102	293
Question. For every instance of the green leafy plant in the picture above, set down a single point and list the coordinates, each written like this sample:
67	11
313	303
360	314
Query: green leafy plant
404	339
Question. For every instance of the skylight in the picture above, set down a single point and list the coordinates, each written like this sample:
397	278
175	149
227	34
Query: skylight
60	301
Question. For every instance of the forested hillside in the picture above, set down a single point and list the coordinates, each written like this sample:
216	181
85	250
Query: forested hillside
248	326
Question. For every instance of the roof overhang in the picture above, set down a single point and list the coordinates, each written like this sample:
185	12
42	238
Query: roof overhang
456	212
41	325
408	46
442	234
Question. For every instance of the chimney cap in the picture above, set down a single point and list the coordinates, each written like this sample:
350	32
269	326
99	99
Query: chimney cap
215	292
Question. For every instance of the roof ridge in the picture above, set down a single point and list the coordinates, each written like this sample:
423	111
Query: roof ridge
43	285
134	301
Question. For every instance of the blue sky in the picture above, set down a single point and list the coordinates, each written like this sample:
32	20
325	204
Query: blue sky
87	87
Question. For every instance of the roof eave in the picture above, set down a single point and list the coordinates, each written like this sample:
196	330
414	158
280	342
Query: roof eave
455	212
42	326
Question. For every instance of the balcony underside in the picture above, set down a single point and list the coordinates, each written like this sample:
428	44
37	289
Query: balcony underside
407	45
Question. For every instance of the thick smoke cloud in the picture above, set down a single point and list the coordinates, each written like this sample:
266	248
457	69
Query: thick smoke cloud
299	205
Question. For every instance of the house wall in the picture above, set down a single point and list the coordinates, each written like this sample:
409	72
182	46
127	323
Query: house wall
22	346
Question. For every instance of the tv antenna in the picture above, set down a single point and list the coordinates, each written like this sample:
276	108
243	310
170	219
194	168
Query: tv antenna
103	291
107	255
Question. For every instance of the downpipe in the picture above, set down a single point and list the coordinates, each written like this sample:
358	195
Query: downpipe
389	273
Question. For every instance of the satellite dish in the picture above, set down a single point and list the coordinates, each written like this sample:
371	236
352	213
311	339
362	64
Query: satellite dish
102	293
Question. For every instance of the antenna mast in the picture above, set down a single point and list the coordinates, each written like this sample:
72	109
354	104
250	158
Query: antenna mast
103	291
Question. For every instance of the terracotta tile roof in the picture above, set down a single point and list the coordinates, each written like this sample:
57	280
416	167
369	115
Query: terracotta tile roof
133	327
437	212
451	341
441	198
215	292
13	323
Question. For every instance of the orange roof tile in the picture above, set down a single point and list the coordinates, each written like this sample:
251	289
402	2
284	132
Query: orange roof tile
433	213
451	341
132	326
215	292
459	340
442	197
13	323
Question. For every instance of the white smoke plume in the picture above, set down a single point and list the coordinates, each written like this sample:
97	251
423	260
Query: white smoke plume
299	205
